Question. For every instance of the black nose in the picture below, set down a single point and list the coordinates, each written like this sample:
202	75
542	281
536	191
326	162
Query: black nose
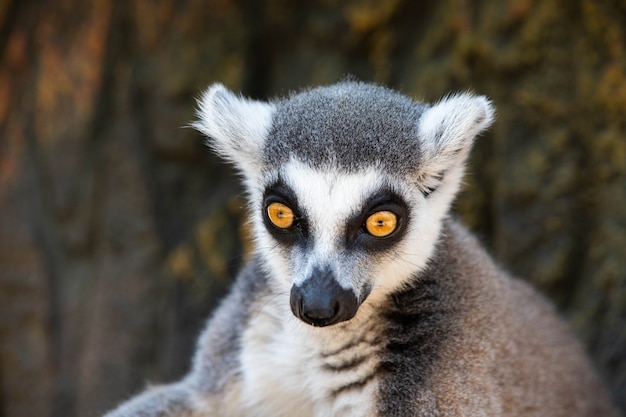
321	301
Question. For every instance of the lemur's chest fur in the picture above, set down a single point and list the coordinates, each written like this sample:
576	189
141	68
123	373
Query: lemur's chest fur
291	369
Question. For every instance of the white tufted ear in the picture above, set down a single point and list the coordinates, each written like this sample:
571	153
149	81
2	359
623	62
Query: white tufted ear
236	127
447	131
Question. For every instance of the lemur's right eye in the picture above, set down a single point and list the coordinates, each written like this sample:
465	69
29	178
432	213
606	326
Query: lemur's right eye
280	215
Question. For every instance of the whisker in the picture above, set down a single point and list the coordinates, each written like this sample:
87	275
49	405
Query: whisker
269	301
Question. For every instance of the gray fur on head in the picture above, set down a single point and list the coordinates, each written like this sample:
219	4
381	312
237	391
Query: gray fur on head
345	125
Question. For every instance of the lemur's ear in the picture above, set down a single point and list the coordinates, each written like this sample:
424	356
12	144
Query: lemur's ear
447	130
235	126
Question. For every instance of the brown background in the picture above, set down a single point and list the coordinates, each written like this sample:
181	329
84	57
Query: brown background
118	229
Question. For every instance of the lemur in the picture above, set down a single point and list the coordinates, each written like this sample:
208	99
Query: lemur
363	296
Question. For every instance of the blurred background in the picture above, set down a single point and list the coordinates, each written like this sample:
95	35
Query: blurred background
119	230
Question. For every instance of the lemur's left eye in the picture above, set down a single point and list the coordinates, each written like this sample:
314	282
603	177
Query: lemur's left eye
280	215
381	224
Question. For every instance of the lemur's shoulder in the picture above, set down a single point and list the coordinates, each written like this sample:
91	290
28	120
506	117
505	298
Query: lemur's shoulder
501	323
216	361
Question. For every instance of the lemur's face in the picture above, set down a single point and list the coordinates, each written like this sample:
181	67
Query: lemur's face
333	238
348	186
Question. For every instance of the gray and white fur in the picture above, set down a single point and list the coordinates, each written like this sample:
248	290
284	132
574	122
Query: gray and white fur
328	319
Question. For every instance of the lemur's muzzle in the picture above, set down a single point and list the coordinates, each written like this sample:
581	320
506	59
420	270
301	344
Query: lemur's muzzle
321	301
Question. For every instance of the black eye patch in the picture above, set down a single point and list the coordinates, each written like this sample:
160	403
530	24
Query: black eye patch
279	192
357	235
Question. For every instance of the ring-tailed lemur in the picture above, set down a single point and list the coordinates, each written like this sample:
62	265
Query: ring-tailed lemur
363	298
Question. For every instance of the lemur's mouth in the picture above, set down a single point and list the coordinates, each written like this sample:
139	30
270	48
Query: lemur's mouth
320	301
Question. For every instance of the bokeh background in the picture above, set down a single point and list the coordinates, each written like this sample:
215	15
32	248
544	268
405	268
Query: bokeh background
119	230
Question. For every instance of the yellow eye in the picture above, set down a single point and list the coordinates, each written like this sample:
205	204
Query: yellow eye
381	224
280	215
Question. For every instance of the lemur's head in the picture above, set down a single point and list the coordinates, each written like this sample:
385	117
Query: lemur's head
348	185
